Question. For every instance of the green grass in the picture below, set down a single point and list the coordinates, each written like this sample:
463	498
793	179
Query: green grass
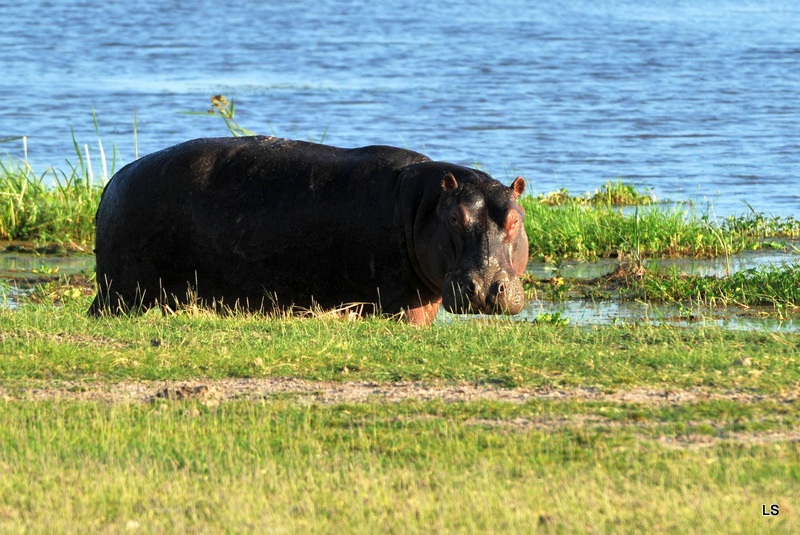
50	207
569	464
68	345
400	468
609	194
587	232
777	287
54	206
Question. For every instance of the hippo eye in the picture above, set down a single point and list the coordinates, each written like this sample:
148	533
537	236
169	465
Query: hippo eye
459	218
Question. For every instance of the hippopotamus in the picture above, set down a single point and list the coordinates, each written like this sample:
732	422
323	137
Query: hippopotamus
263	223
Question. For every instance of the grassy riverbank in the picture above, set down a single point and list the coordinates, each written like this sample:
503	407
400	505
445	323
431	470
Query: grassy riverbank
68	345
623	430
578	230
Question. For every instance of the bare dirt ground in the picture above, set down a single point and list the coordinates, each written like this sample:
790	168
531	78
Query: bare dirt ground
327	392
214	392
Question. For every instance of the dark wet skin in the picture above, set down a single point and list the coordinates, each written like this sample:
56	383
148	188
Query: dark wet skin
262	223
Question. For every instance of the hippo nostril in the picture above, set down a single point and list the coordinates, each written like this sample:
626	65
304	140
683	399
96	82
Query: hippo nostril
497	289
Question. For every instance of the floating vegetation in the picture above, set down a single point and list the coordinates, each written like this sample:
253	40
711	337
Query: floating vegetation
771	286
759	225
555	318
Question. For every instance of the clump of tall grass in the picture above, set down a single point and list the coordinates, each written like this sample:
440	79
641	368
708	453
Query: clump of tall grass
609	194
33	208
54	206
576	228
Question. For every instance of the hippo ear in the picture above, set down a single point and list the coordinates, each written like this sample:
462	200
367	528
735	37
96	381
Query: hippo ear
449	182
517	187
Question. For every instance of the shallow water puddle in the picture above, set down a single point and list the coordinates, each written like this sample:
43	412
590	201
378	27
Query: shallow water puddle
13	265
19	273
613	312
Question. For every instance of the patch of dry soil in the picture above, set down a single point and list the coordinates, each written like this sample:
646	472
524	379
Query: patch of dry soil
327	392
214	392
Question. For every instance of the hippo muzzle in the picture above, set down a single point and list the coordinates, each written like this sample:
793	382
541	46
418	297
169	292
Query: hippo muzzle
501	293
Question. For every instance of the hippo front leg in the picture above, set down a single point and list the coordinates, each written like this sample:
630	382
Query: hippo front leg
422	314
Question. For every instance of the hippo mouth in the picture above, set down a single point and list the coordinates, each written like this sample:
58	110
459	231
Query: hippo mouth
501	294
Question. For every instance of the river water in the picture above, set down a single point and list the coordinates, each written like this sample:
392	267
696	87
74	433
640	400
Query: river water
698	100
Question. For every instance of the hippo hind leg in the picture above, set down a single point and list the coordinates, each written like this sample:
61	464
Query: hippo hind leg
110	301
116	301
133	289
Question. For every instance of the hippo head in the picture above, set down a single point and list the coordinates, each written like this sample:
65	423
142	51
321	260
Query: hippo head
488	245
475	248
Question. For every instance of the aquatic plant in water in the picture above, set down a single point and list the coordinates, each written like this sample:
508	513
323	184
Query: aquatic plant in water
771	286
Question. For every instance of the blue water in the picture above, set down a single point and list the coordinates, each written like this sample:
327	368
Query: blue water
696	99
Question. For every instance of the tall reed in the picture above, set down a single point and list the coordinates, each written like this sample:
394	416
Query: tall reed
53	206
